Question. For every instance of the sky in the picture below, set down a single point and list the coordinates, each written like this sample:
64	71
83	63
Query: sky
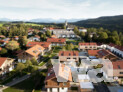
59	9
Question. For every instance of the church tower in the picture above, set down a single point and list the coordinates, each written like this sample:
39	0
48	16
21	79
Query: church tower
66	24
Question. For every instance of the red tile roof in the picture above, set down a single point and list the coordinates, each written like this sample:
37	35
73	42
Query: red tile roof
50	74
0	48
103	53
93	52
118	64
68	53
37	36
2	60
82	43
43	44
58	40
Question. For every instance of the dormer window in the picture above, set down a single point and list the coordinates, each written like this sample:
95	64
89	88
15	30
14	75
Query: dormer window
61	54
35	51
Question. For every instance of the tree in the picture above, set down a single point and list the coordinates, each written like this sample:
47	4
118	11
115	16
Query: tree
48	33
3	51
34	69
12	45
43	37
23	40
20	67
28	64
71	46
76	31
82	34
34	61
68	47
103	36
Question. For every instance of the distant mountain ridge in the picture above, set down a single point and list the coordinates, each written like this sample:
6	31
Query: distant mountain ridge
41	20
108	22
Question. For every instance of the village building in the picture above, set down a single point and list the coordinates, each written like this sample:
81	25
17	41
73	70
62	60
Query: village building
34	52
54	81
65	56
46	45
6	65
87	46
57	41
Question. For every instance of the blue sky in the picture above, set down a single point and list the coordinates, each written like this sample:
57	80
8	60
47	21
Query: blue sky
56	9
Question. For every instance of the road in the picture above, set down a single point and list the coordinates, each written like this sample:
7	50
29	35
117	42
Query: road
16	81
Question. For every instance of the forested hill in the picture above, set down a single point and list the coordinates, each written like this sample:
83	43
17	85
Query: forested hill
110	22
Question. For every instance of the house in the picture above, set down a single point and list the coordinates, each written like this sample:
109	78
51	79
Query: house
116	67
83	30
35	38
63	33
58	72
68	56
6	65
2	37
16	38
46	45
118	50
87	46
3	42
104	54
34	52
30	33
57	41
53	36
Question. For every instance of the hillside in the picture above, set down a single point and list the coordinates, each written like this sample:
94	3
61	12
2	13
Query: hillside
110	22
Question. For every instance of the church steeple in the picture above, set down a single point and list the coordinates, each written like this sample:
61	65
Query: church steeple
66	24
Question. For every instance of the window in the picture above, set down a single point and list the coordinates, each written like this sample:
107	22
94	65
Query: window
118	66
74	58
64	83
121	72
62	54
68	58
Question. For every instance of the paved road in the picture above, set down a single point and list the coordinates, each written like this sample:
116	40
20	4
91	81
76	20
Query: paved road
20	79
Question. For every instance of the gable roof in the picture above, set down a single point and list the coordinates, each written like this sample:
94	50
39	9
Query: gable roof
43	44
59	40
118	64
2	60
68	53
82	43
93	52
35	50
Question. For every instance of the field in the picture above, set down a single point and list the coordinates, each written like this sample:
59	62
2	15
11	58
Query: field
1	24
32	24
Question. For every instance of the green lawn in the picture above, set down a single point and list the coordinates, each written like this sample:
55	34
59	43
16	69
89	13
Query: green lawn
29	84
25	86
1	24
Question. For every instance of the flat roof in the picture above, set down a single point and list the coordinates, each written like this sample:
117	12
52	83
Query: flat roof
83	77
86	85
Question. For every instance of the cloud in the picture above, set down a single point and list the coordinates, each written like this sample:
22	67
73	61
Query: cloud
28	9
